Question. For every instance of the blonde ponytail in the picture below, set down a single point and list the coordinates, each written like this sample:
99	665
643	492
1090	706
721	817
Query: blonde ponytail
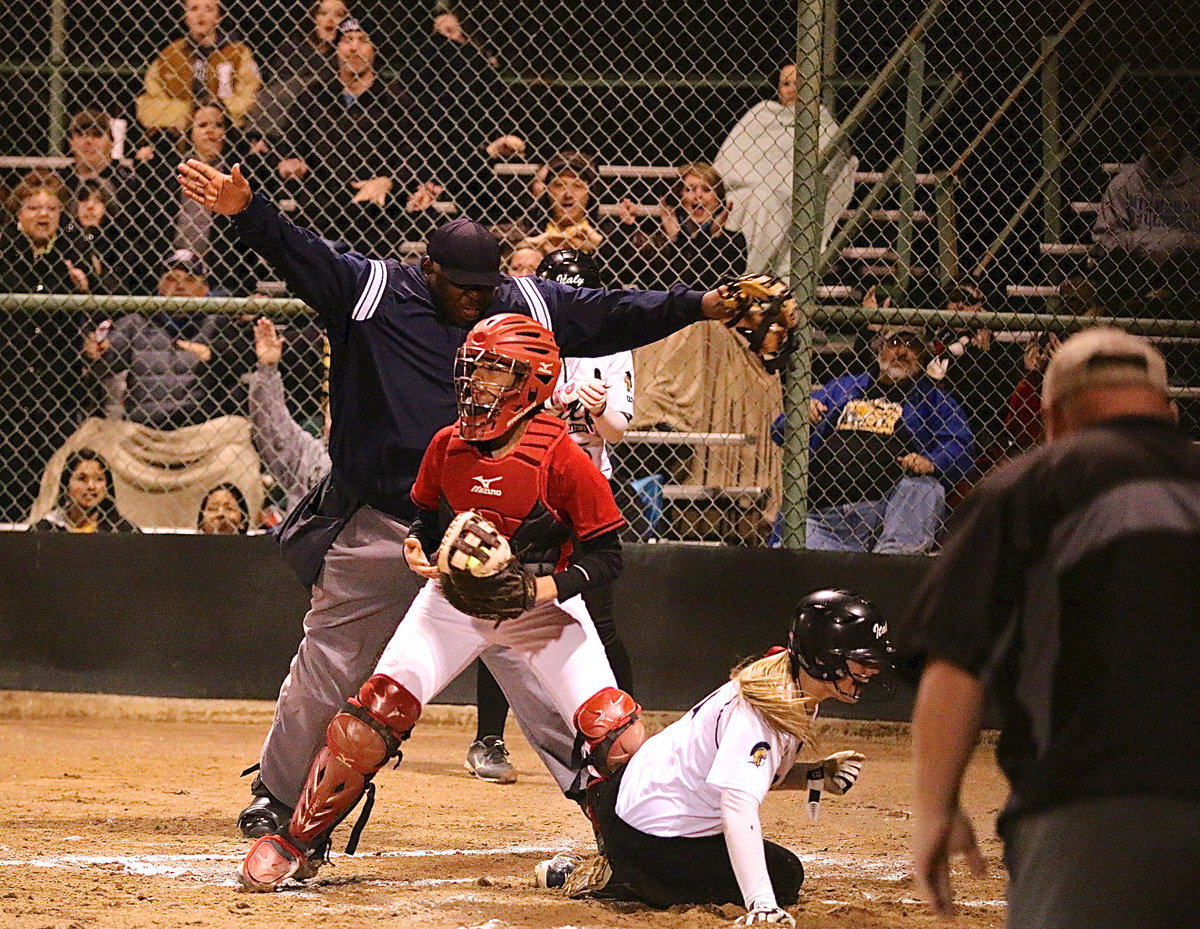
768	686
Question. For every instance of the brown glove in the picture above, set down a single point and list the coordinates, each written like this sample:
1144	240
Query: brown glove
479	575
763	311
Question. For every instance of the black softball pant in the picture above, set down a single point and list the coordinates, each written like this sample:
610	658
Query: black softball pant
677	870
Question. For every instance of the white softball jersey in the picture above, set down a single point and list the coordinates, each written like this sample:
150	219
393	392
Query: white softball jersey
672	786
616	371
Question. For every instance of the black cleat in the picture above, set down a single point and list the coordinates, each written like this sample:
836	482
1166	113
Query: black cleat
264	816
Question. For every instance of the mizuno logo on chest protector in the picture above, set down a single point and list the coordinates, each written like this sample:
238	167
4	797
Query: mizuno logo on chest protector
483	485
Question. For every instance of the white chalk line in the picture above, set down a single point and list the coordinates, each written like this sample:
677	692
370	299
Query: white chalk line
216	868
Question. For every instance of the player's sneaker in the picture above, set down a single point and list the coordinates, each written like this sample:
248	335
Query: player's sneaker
272	860
264	816
487	759
553	872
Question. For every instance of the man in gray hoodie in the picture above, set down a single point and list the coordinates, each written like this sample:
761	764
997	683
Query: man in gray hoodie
1147	231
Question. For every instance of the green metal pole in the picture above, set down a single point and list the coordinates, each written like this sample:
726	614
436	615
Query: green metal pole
947	230
1051	145
829	56
58	60
906	228
808	212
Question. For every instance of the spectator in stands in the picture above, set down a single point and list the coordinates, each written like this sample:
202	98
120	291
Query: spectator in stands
687	242
165	356
209	64
755	161
86	502
1147	231
884	448
223	511
294	457
977	366
559	209
184	226
1023	421
104	240
90	136
42	398
307	56
42	254
361	146
523	260
473	113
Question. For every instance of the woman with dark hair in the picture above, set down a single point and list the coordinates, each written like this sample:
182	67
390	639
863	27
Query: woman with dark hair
86	502
687	242
223	511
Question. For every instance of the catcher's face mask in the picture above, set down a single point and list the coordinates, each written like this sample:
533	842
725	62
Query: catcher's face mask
491	395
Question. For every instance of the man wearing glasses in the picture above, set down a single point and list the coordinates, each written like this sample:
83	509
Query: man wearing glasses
883	449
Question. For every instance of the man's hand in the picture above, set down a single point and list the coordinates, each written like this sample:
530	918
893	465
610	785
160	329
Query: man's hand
79	278
625	211
268	343
871	299
506	146
96	343
935	839
414	555
423	197
214	190
759	915
373	190
202	352
590	393
916	464
292	169
816	410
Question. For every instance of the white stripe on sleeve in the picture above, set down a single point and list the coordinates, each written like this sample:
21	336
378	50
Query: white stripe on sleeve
368	300
535	301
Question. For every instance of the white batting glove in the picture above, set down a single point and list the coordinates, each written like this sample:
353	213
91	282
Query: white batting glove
766	914
842	770
589	393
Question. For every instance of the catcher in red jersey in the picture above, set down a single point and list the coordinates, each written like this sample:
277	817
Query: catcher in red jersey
518	521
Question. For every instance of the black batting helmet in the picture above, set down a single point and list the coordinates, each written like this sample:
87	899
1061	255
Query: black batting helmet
832	627
570	266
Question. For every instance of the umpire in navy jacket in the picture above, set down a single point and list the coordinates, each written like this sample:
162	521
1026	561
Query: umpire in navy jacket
393	335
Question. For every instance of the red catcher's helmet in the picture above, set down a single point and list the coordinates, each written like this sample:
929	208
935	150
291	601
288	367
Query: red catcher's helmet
506	369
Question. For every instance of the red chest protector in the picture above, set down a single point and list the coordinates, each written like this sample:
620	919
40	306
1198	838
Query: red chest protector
511	491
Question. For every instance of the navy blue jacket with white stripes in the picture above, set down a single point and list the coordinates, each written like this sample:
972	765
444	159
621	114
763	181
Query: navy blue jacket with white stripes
392	354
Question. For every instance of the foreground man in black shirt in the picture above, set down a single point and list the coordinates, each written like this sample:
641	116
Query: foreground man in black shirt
1070	592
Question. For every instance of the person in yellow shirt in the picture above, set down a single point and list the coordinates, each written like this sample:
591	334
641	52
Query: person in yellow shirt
208	63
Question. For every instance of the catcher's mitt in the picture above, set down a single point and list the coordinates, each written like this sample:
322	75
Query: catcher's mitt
763	311
479	575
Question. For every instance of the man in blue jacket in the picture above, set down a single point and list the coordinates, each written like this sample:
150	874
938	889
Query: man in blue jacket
883	449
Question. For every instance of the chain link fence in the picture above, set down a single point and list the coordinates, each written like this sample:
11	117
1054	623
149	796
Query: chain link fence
1012	170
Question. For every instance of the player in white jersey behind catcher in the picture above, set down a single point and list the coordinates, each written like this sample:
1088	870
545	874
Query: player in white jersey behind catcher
680	822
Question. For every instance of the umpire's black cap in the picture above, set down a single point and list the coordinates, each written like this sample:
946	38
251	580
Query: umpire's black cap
468	253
